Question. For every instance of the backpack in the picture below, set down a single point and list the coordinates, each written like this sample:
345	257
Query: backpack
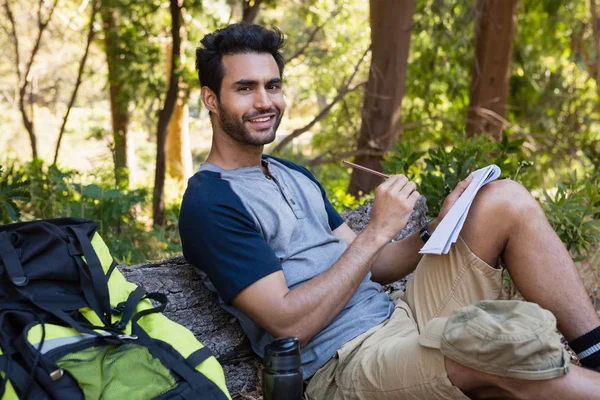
72	327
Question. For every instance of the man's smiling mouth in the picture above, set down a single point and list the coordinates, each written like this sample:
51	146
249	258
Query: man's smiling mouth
261	119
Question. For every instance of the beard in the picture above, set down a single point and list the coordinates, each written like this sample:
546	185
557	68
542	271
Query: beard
234	127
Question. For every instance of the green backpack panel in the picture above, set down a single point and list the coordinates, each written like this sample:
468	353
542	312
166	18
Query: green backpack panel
72	327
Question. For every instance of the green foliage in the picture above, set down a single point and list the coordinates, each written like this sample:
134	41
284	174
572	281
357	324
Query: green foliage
37	191
573	212
136	59
335	181
439	71
13	189
438	170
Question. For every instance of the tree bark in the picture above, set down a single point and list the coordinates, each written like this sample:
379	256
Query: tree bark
494	36
391	24
158	201
119	98
90	37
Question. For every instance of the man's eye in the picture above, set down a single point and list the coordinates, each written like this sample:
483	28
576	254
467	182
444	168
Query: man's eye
244	88
274	87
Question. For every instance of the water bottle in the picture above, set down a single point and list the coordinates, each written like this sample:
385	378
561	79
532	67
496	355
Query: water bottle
282	376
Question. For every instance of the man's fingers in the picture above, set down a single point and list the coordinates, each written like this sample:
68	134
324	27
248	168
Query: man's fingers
397	183
408	189
414	196
461	187
466	182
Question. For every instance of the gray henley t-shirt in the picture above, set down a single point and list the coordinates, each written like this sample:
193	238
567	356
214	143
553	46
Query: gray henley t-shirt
238	226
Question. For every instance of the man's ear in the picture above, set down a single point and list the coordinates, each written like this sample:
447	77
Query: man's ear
209	98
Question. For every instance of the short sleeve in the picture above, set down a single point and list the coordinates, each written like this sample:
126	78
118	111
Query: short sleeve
334	218
219	236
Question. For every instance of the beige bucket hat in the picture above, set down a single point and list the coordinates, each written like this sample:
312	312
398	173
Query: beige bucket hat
501	337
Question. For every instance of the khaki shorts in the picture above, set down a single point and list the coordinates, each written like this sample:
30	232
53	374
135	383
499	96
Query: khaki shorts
387	362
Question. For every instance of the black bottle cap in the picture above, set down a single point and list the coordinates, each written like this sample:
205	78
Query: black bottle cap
283	354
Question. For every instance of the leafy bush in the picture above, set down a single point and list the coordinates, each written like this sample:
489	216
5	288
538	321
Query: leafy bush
37	191
438	170
13	189
573	212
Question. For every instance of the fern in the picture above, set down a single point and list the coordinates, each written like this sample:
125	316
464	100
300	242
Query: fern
14	188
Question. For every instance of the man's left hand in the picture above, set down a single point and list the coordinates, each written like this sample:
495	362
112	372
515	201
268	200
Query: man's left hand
451	199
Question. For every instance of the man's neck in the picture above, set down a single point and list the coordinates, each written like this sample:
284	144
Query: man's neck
229	154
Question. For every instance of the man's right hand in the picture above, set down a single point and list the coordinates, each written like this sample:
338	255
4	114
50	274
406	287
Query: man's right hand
394	201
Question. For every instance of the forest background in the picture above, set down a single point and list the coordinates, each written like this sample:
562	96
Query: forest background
101	116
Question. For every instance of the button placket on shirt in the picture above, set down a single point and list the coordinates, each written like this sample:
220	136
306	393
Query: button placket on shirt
288	196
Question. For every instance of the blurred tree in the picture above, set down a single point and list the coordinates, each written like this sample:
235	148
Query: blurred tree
158	202
178	151
596	30
119	98
23	77
250	10
391	23
133	54
90	37
494	36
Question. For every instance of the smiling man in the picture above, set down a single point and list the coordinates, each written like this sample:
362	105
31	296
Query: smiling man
281	259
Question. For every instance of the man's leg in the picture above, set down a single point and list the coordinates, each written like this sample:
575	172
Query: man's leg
580	384
506	221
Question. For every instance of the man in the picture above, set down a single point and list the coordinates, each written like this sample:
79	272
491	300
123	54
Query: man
284	263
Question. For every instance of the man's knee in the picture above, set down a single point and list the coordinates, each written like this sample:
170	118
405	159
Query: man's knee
509	200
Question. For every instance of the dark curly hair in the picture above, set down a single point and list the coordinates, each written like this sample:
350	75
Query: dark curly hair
235	39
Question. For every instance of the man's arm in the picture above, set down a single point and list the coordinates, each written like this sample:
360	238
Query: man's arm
307	309
395	260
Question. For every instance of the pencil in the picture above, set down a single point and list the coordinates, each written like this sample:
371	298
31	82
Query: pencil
365	169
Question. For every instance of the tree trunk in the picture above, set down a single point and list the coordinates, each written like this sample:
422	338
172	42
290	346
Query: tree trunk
179	153
158	201
250	12
391	23
596	30
494	36
119	99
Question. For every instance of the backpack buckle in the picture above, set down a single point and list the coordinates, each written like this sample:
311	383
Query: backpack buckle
57	374
125	336
118	309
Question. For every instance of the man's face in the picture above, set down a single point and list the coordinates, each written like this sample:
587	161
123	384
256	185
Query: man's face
251	103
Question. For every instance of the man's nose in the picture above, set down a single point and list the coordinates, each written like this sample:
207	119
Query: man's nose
262	100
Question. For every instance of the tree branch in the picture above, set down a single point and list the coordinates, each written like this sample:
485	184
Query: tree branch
313	34
24	77
333	157
90	38
158	205
342	91
14	39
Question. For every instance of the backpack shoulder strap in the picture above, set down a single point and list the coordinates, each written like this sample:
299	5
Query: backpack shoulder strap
9	257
